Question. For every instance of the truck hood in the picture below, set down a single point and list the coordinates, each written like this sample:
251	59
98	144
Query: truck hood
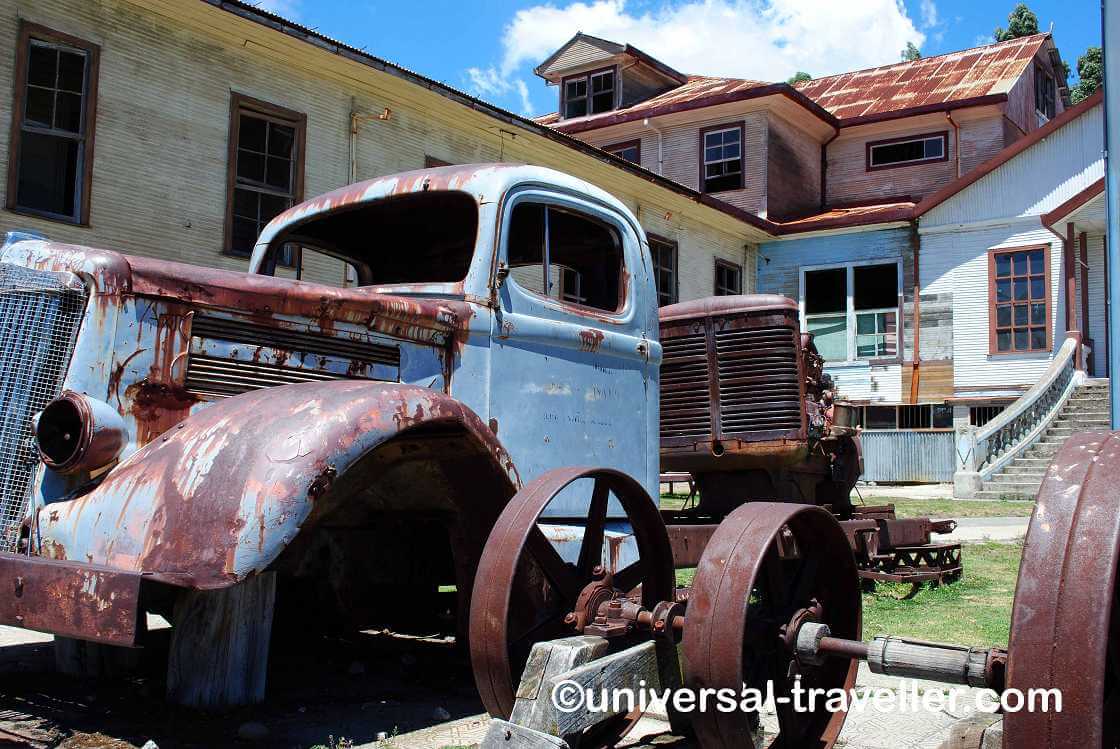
113	274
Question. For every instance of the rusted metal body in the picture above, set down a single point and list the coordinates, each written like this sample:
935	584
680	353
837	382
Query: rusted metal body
747	410
270	422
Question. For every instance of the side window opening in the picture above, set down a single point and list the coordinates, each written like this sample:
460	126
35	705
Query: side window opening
565	256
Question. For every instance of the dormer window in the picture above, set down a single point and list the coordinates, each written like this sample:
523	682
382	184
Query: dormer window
1044	93
589	93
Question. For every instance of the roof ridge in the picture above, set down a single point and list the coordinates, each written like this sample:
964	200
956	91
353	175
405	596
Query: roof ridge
902	63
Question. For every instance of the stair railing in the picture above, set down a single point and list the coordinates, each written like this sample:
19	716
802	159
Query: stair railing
984	451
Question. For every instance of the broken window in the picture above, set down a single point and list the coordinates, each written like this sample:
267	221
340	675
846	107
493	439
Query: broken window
393	241
664	254
721	159
565	255
1044	93
729	278
266	172
1020	321
52	144
852	311
589	93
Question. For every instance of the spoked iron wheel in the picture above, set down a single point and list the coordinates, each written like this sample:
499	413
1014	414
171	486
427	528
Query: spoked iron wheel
767	565
1065	624
524	590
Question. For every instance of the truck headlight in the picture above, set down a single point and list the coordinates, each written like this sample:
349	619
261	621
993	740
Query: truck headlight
78	433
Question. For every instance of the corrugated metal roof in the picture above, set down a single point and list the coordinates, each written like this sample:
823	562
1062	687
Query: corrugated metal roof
967	74
832	218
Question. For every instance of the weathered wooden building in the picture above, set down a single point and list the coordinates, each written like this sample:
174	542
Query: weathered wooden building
177	128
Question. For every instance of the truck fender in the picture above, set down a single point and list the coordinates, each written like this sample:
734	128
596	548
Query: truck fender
220	495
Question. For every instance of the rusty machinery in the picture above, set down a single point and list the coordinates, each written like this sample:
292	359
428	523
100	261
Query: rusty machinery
776	597
748	411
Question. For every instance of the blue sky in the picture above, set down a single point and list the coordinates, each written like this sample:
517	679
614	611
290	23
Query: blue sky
490	48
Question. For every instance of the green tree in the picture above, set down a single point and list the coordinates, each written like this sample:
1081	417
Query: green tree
911	53
1020	22
799	77
1090	72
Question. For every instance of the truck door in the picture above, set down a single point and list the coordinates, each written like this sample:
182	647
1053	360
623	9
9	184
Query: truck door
571	377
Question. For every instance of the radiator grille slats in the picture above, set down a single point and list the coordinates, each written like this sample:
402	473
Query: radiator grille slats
39	316
758	382
211	376
758	379
685	399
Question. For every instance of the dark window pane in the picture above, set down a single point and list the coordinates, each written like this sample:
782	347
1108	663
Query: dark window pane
281	140
712	153
48	174
1036	261
730	136
1003	290
1003	340
602	103
1038	287
577	108
1020	314
604	82
731	151
876	286
1020	261
1021	340
893	153
40	107
881	417
1022	290
42	66
722	183
942	416
1003	265
826	291
279	173
252	134
72	72
243	236
68	112
1038	314
272	206
577	88
1038	338
250	166
1003	316
935	148
246	203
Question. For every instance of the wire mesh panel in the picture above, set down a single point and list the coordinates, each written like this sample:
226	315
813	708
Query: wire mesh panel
39	316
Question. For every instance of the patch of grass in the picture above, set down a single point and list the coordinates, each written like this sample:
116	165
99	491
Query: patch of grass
954	508
975	610
673	501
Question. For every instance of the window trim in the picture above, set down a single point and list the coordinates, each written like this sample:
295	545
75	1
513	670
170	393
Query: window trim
943	134
616	98
614	148
850	311
728	265
742	153
240	102
27	32
1041	70
675	294
993	349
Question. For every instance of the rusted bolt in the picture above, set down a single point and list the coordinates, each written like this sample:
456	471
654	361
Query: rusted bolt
19	586
598	571
659	625
570	618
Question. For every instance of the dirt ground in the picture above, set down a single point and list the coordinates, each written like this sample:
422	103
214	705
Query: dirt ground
354	689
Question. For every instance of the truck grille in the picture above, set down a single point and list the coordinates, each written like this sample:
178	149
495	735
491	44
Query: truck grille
39	317
213	371
757	387
685	398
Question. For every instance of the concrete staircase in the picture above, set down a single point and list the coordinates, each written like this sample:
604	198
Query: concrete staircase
1086	409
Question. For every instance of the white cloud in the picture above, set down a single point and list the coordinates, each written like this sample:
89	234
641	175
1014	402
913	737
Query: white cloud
929	14
490	83
759	39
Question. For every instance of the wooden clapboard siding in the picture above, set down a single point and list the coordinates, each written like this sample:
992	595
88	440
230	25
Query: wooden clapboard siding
793	170
956	262
850	182
581	54
1071	158
981	139
935	380
167	72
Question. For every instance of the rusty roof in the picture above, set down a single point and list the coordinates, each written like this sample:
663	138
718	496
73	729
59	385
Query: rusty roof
698	91
957	76
861	215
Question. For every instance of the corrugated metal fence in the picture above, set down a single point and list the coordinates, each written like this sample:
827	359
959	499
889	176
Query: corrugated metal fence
908	455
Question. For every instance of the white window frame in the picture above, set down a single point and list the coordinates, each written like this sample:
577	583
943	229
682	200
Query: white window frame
940	137
738	129
850	308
